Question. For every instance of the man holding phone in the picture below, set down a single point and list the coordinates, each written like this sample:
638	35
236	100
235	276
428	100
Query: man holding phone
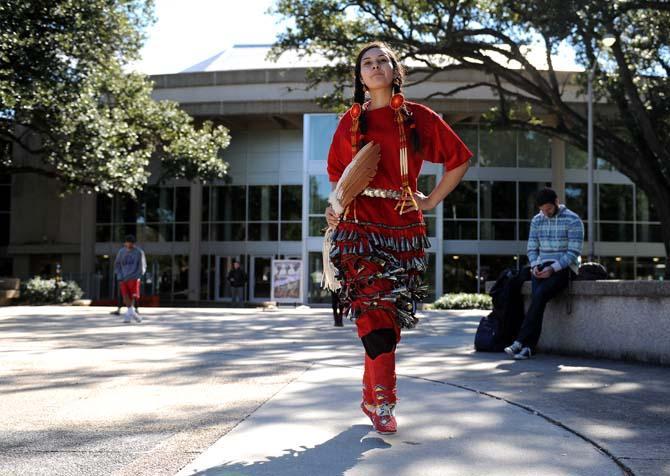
554	251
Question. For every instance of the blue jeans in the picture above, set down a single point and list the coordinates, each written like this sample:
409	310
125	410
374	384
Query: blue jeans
543	291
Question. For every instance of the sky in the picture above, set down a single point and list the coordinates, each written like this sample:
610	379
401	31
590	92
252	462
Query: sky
189	31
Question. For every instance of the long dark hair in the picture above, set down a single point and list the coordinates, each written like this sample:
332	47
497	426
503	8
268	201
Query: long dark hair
398	79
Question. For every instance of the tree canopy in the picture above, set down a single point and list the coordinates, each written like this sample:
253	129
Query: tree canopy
66	98
494	37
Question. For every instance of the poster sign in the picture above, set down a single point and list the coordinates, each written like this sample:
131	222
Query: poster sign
286	280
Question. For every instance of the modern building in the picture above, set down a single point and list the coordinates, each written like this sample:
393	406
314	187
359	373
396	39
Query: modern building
271	205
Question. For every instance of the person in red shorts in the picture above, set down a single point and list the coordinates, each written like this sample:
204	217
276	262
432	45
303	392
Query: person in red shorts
379	239
129	266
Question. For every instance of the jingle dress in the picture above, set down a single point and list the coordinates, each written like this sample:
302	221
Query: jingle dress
377	252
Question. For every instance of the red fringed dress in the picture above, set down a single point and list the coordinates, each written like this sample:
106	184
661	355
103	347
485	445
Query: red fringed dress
379	253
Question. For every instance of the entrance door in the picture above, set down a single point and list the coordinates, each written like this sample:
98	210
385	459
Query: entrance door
221	286
259	277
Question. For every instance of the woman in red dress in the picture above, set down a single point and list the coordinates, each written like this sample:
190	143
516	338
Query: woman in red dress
379	240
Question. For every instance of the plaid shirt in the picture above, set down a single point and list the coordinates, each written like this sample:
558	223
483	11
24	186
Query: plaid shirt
558	239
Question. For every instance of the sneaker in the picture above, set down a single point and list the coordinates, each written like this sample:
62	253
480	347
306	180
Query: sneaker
368	412
136	316
524	354
384	420
514	349
126	317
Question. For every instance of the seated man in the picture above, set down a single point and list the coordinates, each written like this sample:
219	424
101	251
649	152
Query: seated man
554	247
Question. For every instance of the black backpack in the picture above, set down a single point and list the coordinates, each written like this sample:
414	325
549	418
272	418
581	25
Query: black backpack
498	329
591	272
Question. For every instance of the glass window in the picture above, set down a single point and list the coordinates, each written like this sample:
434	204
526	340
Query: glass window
319	189
534	149
497	148
602	164
426	184
621	232
229	231
618	267
158	204
205	203
649	268
263	202
460	229
316	226
158	278
291	202
497	230
576	198
497	199
104	275
103	233
649	233
468	135
460	273
181	232
183	197
291	231
229	203
207	277
103	209
320	135
429	277
316	292
615	202
575	158
646	210
263	231
180	277
461	202
492	265
291	213
125	210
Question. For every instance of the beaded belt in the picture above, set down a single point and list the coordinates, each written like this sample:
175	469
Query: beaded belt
382	193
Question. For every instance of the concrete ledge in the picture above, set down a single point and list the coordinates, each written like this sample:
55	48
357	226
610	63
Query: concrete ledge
10	283
628	320
8	295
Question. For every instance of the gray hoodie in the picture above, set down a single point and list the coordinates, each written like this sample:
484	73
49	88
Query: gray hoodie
130	264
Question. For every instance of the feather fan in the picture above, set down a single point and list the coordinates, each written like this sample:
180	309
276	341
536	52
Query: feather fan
356	176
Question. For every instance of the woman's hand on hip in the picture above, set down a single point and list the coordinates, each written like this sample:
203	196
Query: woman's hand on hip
422	203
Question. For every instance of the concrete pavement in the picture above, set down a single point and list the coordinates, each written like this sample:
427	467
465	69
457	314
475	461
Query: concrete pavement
243	392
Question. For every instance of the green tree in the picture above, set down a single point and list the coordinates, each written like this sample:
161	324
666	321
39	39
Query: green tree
632	132
66	98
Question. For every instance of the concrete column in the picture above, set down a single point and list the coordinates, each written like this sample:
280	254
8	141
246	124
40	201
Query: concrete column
87	242
558	168
194	228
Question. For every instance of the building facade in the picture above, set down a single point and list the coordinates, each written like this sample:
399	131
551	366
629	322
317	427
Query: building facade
271	205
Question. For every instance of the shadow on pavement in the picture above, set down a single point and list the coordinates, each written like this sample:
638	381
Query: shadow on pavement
335	456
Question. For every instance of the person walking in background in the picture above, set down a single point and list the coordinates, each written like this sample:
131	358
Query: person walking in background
120	303
129	267
237	279
554	251
378	241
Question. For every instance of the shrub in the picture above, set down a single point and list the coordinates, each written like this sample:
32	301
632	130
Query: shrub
463	301
45	291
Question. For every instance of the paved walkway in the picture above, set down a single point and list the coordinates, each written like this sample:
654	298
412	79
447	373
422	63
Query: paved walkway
243	392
